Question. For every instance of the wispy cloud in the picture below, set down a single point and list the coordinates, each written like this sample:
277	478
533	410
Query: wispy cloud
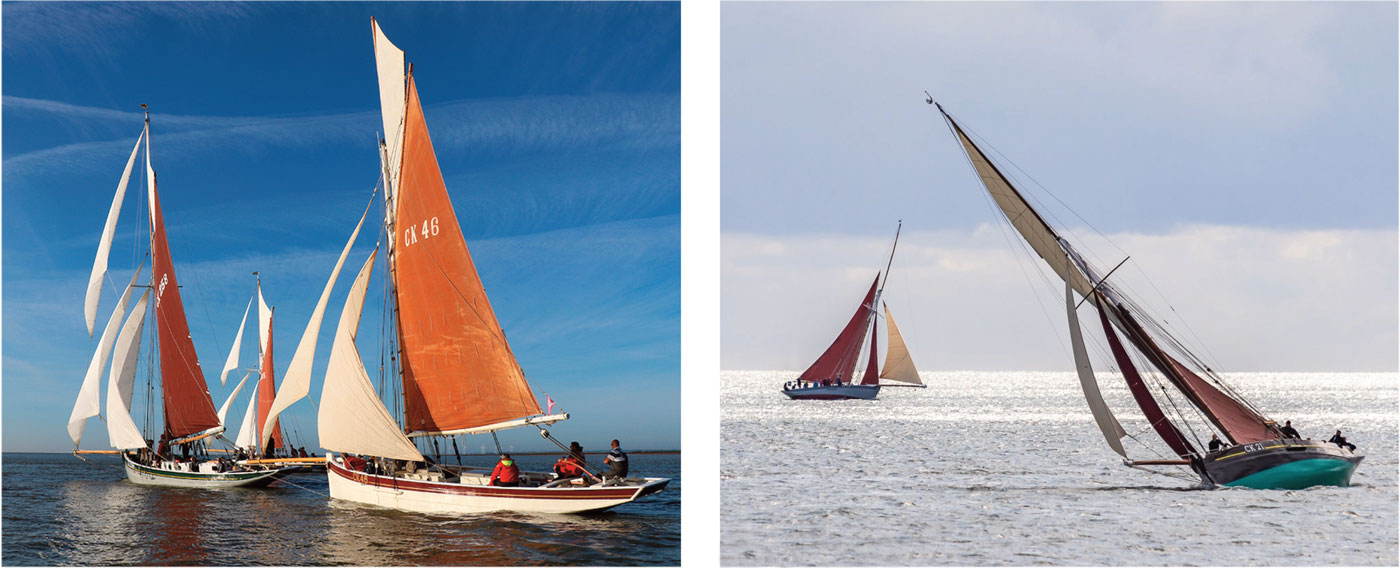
492	127
100	29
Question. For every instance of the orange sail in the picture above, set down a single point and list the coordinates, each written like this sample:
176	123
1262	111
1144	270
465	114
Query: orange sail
188	408
267	392
458	371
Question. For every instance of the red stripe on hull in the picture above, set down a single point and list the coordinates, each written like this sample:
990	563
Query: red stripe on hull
479	490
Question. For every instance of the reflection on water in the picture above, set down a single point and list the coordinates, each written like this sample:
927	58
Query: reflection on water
60	511
1009	468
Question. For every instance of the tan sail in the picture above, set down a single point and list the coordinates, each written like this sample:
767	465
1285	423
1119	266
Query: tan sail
351	417
458	370
899	366
1112	431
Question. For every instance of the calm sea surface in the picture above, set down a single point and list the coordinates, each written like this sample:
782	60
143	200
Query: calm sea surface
1008	468
61	511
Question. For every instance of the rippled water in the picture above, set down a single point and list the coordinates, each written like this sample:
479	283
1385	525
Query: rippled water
1008	468
61	511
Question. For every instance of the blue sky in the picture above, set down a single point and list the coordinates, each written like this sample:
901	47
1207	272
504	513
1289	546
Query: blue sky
1244	155
557	127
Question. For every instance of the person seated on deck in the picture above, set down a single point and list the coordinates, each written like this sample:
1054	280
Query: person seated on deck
506	474
1215	443
618	460
1288	431
1341	441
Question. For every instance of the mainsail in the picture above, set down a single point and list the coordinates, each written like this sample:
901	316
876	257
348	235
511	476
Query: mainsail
458	371
899	366
839	360
188	407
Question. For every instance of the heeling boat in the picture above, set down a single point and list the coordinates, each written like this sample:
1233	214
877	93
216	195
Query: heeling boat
456	368
833	375
1256	454
188	410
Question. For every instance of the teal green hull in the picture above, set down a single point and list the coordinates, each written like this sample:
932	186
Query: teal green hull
1299	475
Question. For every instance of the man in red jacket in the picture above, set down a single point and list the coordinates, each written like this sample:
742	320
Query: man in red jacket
506	474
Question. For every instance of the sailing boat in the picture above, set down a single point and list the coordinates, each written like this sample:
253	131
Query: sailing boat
457	370
265	390
832	376
1256	453
189	416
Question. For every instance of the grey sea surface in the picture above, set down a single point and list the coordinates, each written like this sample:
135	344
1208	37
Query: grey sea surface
62	511
985	468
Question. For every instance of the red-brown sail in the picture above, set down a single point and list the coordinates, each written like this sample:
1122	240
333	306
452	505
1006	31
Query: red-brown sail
839	360
1239	422
872	370
188	408
458	371
1142	395
267	391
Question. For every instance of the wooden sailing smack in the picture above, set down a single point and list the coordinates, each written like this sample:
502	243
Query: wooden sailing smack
832	376
457	370
1256	453
188	410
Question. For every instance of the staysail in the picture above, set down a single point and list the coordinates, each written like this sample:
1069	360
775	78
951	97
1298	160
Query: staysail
248	433
458	370
351	418
89	403
839	360
104	246
297	383
223	410
188	407
122	432
1112	431
899	366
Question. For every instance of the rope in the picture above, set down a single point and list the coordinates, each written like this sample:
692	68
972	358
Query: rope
283	480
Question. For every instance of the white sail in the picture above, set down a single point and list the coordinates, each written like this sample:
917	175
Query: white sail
899	366
297	382
223	410
393	97
248	434
264	324
122	432
232	362
89	403
351	417
150	176
1112	431
104	246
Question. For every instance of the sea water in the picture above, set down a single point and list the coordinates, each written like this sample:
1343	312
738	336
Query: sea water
62	511
986	468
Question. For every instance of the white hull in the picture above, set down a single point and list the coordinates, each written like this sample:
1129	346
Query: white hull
428	496
146	475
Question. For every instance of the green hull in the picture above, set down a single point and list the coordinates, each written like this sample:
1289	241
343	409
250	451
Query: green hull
1299	475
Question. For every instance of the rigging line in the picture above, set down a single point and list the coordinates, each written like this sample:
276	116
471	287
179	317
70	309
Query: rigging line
284	480
199	288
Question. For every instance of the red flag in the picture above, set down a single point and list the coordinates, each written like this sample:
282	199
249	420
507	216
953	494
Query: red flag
550	402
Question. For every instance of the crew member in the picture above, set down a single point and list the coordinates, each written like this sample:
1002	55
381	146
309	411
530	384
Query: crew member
1341	441
506	474
1215	442
1288	431
618	460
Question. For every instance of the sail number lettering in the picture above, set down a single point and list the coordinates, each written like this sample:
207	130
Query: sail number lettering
164	279
427	230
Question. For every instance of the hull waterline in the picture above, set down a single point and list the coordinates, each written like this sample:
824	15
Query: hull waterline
427	494
842	392
147	475
1282	464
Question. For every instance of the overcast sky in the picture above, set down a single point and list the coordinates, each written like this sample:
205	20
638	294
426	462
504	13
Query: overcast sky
557	128
1243	154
